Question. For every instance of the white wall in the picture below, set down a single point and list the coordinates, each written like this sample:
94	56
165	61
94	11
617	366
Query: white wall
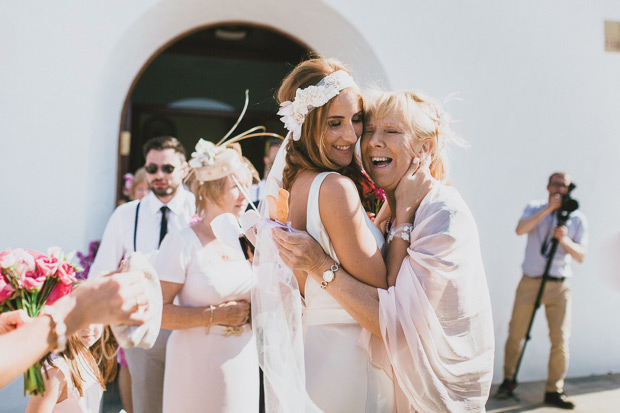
539	93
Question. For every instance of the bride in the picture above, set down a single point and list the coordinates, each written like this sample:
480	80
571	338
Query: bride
323	110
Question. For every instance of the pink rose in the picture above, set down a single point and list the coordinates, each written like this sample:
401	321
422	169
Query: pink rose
33	281
6	289
7	259
66	273
59	291
24	262
47	266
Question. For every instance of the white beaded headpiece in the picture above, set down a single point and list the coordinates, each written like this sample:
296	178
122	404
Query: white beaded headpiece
294	113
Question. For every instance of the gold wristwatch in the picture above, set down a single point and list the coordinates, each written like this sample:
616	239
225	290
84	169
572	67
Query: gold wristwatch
330	275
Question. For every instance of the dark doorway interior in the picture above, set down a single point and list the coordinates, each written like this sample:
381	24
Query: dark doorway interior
195	88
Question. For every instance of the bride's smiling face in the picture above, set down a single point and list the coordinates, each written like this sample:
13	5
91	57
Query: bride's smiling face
344	125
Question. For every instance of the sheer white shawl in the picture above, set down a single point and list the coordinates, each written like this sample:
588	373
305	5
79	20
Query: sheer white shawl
436	322
276	314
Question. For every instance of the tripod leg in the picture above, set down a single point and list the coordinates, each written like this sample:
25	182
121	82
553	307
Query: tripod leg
557	302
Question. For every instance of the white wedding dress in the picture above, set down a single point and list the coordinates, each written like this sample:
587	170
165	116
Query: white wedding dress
339	375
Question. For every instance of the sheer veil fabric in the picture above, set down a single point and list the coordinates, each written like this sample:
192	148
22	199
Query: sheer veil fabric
276	314
436	323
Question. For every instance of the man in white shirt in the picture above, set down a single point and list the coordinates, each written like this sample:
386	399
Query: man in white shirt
141	226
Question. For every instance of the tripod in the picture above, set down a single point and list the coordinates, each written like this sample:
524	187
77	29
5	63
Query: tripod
562	216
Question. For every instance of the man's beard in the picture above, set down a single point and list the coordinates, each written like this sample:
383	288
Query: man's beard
165	191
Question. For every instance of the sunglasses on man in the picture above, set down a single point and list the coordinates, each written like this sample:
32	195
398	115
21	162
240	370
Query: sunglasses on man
152	168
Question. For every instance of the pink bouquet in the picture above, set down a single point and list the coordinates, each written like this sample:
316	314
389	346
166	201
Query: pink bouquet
373	197
29	280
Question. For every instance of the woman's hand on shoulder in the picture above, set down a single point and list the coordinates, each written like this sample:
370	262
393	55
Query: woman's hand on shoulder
411	190
300	251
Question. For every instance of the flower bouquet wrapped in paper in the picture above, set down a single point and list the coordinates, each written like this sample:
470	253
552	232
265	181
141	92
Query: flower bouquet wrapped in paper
29	280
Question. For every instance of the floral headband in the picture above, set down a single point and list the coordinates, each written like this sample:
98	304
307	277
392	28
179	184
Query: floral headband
294	113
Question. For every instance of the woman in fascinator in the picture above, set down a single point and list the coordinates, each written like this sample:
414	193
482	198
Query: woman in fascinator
211	359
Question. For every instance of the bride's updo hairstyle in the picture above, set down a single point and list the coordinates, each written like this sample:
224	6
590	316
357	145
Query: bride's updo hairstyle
424	119
309	152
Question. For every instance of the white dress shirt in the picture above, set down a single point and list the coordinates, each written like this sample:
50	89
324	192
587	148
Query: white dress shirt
118	237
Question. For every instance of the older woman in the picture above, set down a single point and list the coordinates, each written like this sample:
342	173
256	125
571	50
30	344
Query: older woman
211	358
432	328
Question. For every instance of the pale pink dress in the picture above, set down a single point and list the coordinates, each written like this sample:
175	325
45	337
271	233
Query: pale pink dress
436	321
208	369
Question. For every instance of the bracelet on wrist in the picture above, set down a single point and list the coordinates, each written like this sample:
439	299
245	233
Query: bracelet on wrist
59	328
207	328
402	231
330	274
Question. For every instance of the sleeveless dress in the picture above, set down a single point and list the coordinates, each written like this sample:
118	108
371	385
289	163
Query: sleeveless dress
208	369
89	403
339	375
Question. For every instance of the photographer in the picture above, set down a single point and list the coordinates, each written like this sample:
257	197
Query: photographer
539	222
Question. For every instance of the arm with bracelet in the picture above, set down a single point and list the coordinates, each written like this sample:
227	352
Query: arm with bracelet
109	300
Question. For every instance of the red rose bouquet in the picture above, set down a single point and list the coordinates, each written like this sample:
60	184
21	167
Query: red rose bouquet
373	197
29	280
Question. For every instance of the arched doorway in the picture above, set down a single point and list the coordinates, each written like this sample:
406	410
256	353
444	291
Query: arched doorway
193	88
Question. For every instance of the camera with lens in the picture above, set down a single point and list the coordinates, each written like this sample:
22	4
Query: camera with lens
569	205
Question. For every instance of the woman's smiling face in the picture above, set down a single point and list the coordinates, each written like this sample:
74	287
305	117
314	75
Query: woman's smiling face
388	148
344	126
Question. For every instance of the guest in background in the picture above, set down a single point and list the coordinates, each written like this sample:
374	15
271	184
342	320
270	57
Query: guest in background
212	361
76	378
271	150
139	186
141	225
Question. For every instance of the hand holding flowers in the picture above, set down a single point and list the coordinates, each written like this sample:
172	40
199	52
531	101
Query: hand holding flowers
28	281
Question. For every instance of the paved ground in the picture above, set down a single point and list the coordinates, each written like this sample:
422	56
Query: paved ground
590	394
594	394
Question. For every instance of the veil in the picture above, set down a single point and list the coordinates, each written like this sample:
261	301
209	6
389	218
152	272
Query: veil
276	313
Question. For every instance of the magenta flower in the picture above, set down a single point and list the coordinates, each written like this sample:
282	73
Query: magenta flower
59	291
6	289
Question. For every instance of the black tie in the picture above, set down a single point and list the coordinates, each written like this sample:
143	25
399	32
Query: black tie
163	229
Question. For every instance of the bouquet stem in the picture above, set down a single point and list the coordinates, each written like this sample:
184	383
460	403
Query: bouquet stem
34	385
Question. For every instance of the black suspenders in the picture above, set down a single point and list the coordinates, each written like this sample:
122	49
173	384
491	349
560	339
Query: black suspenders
135	228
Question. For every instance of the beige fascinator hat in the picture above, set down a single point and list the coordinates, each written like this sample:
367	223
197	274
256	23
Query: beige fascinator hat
210	161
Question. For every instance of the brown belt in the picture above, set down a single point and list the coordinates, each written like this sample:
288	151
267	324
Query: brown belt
549	278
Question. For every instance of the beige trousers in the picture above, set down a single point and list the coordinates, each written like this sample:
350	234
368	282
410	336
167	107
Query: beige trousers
557	301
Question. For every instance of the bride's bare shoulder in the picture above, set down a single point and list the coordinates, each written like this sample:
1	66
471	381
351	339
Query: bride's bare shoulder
339	190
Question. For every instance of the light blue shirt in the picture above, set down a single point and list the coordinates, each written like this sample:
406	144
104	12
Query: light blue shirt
535	261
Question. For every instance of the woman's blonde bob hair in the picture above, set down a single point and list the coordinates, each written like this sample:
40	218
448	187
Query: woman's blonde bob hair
309	153
212	190
424	119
